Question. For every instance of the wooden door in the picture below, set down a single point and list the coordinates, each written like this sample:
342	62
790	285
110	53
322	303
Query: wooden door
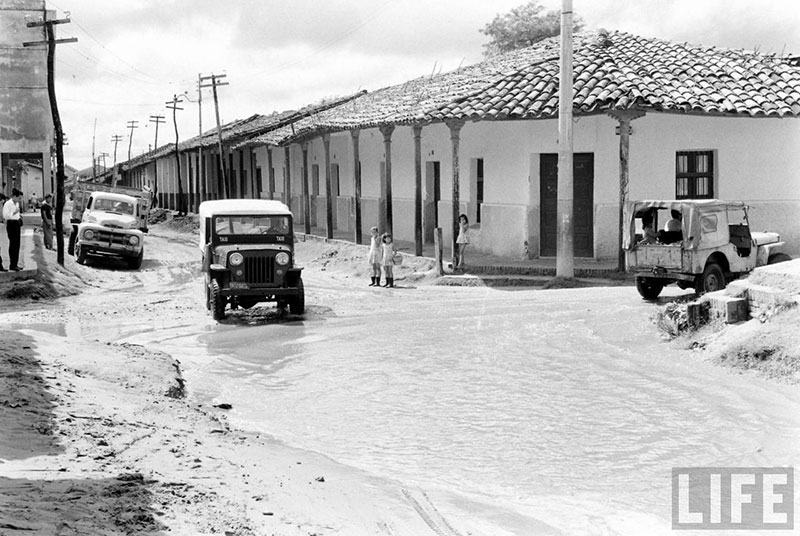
583	204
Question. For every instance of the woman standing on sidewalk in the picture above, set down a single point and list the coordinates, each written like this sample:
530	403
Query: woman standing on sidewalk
47	221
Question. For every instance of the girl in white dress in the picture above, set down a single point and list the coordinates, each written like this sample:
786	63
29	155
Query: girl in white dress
374	257
462	240
387	259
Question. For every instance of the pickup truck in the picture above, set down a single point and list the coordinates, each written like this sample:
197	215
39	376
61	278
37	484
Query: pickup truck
110	222
704	244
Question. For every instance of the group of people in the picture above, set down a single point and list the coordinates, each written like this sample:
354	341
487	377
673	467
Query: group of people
12	216
670	234
382	253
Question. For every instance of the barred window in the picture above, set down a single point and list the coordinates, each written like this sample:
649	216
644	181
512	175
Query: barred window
694	175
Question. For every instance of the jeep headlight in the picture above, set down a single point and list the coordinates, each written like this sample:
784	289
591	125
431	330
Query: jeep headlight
282	258
133	240
88	234
236	259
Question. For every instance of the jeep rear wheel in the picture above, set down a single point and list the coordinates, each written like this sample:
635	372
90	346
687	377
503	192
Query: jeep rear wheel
649	288
778	257
297	305
217	301
712	280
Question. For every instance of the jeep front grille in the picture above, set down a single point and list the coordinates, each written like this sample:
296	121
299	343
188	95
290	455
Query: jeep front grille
259	270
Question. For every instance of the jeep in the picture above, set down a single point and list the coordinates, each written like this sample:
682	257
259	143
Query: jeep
248	255
703	245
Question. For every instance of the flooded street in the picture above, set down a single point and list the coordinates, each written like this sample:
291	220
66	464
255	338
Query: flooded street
558	406
523	411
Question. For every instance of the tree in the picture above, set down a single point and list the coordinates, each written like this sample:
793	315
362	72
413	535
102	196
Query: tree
523	26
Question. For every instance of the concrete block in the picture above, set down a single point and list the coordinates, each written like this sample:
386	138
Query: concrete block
727	309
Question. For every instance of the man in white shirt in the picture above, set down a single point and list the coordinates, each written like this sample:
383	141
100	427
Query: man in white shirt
13	218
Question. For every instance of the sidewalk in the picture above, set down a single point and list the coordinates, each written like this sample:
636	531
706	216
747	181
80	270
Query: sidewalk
482	264
30	221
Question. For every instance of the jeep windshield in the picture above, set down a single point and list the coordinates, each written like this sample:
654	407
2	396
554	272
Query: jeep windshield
251	225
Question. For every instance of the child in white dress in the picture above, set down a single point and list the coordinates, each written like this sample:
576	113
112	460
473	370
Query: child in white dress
387	259
374	257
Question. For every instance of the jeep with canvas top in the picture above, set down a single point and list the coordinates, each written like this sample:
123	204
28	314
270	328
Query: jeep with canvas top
707	244
248	255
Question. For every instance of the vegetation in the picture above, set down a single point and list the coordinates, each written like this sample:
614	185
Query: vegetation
523	26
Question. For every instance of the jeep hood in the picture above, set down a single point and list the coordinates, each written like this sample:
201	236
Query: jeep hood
111	220
763	238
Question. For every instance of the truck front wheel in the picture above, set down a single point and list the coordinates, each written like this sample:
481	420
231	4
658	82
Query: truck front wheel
649	288
80	254
712	280
136	262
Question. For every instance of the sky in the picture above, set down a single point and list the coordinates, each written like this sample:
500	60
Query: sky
132	56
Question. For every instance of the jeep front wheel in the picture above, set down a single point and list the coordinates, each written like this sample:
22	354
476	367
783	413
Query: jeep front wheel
712	280
217	301
297	305
649	288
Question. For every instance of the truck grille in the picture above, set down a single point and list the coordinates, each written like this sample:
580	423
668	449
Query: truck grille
259	270
107	237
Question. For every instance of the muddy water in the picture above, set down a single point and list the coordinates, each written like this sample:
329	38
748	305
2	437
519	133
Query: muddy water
559	410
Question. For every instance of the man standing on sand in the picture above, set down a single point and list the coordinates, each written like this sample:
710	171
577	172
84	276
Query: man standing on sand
47	221
13	217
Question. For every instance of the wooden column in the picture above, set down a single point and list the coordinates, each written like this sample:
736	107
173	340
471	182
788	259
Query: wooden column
306	199
624	117
326	143
287	186
255	182
387	131
417	130
565	251
270	174
202	181
455	132
354	134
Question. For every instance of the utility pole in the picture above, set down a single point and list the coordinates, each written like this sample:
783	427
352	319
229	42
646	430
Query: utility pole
51	43
213	85
116	138
158	120
94	160
131	125
173	105
565	254
201	177
103	155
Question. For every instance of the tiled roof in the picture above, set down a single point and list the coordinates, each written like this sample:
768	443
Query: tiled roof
622	71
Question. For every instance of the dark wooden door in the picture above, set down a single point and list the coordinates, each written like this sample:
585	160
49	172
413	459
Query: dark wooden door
582	205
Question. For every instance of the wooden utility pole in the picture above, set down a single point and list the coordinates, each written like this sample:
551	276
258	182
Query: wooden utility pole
173	105
201	177
116	138
158	120
215	81
565	255
103	155
51	42
131	125
94	158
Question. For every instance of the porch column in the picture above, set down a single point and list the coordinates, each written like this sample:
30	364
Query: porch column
326	143
455	132
287	186
387	130
270	174
201	174
356	183
624	117
306	200
255	182
417	130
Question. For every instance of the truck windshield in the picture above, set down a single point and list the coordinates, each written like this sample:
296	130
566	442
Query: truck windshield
110	205
251	225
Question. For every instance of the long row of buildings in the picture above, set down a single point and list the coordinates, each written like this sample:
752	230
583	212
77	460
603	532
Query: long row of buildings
652	119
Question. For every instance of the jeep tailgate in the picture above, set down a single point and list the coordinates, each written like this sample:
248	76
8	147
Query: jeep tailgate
648	256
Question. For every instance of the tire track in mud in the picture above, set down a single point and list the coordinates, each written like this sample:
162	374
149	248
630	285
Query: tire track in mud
422	504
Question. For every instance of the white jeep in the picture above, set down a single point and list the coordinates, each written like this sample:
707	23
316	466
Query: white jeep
704	244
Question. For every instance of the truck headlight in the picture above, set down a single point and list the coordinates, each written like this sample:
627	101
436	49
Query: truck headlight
282	258
133	240
88	234
236	259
